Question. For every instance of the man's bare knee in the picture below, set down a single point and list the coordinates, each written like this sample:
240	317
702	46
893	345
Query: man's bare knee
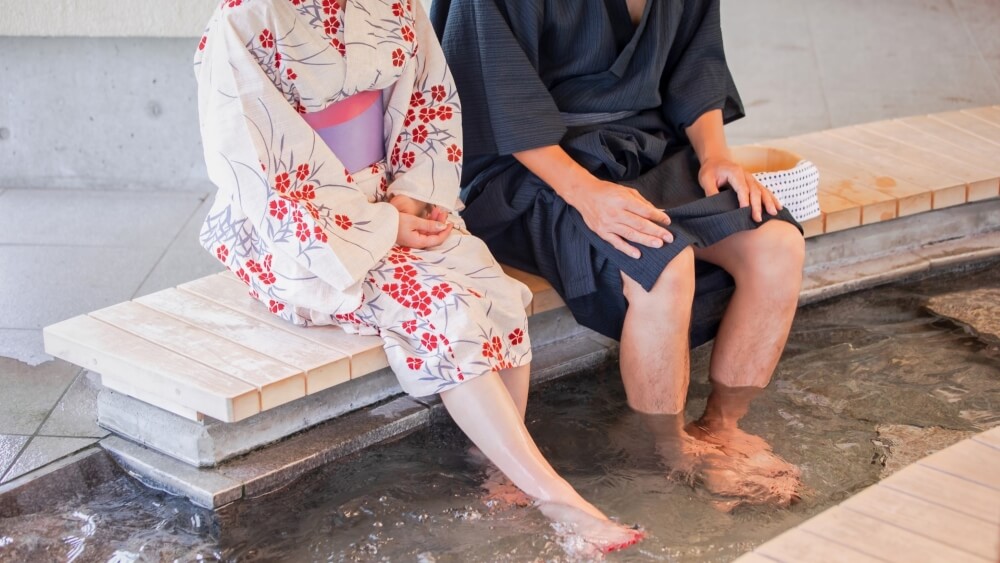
774	257
676	281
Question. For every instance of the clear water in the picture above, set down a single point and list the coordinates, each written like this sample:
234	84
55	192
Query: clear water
852	364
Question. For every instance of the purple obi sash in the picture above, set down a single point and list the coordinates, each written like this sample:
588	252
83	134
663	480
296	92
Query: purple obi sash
352	128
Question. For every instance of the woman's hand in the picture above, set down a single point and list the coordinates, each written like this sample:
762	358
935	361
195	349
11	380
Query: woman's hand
421	225
717	172
619	215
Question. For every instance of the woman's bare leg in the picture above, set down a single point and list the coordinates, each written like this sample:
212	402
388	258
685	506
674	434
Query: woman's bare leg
484	410
517	381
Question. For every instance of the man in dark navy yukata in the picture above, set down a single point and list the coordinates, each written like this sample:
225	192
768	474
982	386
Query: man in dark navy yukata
595	156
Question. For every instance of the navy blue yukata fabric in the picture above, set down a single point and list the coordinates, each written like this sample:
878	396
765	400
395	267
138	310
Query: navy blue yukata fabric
618	98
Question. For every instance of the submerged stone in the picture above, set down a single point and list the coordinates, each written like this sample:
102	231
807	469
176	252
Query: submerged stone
899	445
978	309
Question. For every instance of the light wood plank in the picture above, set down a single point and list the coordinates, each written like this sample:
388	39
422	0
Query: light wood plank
545	296
970	460
753	557
990	437
988	114
944	187
969	124
967	173
988	150
840	213
973	156
814	226
878	539
324	367
942	525
278	383
126	388
100	347
797	545
910	198
947	490
366	352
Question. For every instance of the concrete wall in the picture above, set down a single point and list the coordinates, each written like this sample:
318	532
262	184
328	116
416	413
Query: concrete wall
99	113
104	18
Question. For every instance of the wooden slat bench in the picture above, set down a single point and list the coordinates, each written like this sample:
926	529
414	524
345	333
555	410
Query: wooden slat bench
207	349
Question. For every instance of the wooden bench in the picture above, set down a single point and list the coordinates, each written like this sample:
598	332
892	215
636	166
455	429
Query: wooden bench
207	349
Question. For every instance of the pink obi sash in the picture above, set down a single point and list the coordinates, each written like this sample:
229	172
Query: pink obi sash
352	128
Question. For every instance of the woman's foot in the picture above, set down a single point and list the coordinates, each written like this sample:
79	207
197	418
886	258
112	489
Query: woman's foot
600	534
501	493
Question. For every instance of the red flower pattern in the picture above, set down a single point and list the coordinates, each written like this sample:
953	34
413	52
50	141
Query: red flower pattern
398	58
414	363
281	182
331	26
343	221
266	278
408	159
302	232
407	34
516	337
441	290
397	10
454	153
427	114
243	275
331	7
254	267
222	253
266	39
417	99
438	92
320	234
291	76
409	327
419	134
429	341
339	46
444	113
275	306
278	208
202	43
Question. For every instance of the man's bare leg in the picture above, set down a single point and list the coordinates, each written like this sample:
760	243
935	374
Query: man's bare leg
483	409
655	358
767	266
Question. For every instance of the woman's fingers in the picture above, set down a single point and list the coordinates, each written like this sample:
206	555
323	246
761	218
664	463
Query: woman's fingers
416	232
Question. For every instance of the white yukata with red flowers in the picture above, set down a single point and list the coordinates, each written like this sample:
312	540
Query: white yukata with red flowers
314	242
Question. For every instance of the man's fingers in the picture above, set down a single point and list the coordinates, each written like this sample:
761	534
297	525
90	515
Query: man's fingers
739	186
620	244
642	231
709	182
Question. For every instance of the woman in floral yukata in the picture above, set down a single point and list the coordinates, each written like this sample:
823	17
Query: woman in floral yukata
333	131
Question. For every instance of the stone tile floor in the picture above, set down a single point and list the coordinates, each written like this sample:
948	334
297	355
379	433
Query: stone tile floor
801	65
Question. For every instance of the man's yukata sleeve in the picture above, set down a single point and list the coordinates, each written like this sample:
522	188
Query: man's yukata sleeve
308	214
425	159
508	107
696	79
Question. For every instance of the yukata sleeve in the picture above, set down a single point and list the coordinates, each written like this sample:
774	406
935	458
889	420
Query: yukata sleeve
493	48
304	207
425	116
697	79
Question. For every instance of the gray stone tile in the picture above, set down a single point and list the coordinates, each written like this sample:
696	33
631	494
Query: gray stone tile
24	345
44	450
185	259
76	413
94	218
204	487
40	285
29	393
892	58
982	19
775	72
10	446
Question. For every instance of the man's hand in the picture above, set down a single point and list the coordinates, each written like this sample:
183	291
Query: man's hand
717	172
421	225
619	215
